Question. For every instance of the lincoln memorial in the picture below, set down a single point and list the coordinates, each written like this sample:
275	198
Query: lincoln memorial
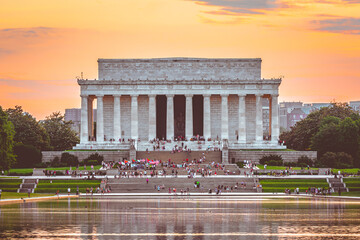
202	101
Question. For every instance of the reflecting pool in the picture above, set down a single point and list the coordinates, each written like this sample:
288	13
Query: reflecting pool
182	218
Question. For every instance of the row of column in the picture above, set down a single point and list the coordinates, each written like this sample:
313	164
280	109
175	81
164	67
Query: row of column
86	122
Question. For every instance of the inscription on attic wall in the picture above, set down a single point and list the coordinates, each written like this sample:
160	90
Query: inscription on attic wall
183	69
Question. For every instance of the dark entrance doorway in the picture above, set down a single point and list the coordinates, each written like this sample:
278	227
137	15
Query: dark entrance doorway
179	116
198	115
161	102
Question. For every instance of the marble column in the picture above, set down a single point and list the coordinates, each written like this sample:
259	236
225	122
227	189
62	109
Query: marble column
152	117
84	135
100	119
90	117
224	116
117	118
259	119
170	117
189	116
134	117
275	126
242	119
207	117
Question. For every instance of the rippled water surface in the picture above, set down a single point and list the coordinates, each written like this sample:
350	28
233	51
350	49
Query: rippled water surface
194	218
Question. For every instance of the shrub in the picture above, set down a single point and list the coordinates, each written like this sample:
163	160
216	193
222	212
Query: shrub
290	164
336	160
271	160
27	156
240	164
305	161
94	157
69	159
92	162
56	163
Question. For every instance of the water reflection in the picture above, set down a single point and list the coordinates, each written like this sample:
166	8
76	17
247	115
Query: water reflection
196	219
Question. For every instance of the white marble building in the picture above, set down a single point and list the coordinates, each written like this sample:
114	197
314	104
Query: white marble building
173	98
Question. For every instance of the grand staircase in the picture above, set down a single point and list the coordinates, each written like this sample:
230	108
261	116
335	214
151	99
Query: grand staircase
336	184
27	184
179	157
139	185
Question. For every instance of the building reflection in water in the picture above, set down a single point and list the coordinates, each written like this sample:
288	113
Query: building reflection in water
194	219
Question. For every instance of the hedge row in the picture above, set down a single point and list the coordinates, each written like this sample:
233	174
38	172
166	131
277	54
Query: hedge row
67	185
293	180
10	180
61	190
9	189
283	189
70	181
307	185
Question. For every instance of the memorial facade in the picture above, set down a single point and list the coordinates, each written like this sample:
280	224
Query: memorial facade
174	99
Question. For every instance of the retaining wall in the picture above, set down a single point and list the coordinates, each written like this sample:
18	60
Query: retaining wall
48	156
254	156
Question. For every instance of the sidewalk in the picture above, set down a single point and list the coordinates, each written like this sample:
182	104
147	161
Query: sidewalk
183	176
35	199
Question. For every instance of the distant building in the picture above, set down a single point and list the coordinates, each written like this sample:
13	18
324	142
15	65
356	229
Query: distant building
355	105
295	116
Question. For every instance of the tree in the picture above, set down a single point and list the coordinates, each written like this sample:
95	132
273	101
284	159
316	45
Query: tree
27	130
336	160
69	160
327	139
300	136
62	137
27	156
349	137
7	157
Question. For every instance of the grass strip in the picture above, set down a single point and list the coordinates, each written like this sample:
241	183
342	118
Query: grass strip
12	195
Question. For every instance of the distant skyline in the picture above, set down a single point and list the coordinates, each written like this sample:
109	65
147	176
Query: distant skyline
45	45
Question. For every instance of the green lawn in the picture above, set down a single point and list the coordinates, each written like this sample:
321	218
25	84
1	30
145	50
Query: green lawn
265	150
279	185
30	170
282	167
10	184
12	195
348	194
347	171
353	184
52	186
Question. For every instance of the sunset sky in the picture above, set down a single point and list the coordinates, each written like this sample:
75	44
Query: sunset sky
45	44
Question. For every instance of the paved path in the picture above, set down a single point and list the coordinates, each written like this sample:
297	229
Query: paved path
183	176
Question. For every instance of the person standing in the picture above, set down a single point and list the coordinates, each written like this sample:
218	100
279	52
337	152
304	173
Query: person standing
29	191
69	190
0	193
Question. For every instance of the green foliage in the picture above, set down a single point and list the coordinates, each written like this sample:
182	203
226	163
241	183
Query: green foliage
305	161
331	129
7	133
62	137
27	156
271	160
336	160
27	130
279	185
69	159
240	164
92	162
95	159
299	137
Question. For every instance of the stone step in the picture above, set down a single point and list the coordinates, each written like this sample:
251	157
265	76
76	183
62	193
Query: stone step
28	185
30	181
179	157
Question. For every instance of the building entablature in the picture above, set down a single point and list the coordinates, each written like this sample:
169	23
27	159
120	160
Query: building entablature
111	87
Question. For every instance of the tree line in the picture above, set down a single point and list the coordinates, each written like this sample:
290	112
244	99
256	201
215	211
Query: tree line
334	132
22	137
